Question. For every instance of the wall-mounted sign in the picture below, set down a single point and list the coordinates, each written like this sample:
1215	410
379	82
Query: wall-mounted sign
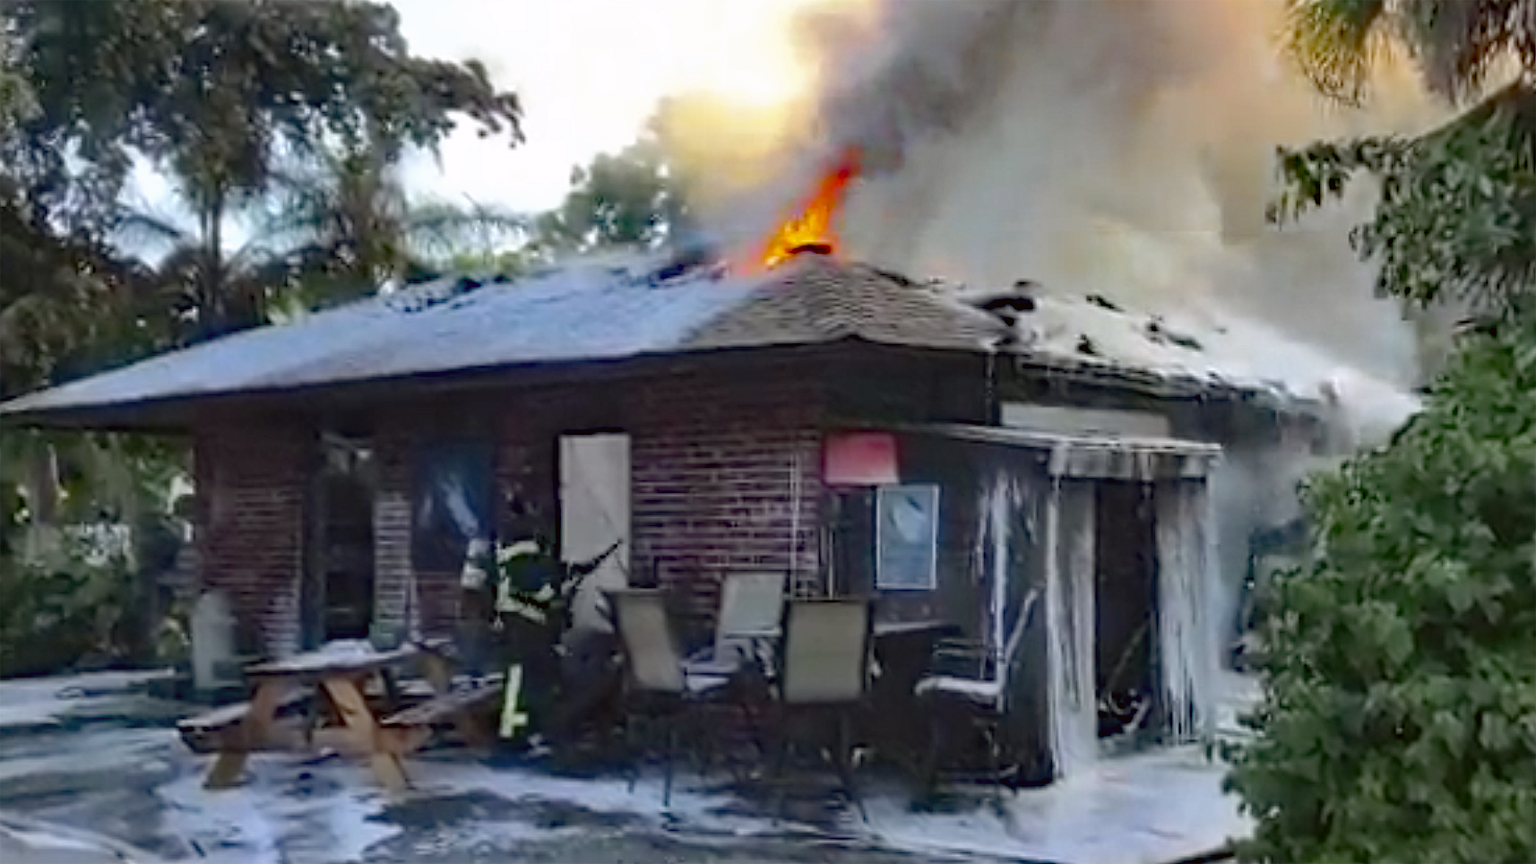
907	538
860	459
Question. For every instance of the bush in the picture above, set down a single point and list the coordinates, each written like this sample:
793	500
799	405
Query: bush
53	616
1399	713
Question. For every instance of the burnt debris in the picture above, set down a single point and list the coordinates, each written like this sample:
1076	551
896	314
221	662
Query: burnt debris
424	295
1009	307
1103	302
690	253
1158	332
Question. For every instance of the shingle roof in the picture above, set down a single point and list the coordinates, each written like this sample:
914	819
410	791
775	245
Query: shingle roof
622	308
585	311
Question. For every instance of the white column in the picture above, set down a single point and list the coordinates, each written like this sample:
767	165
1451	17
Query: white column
1069	536
1186	565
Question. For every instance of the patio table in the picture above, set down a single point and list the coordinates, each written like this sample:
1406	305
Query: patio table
340	676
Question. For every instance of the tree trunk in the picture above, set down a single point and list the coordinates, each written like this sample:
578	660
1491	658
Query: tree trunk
41	486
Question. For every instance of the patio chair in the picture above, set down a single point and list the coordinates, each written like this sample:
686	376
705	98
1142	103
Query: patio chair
824	670
751	609
658	689
979	692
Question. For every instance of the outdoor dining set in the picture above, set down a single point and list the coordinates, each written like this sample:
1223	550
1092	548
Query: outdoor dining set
779	672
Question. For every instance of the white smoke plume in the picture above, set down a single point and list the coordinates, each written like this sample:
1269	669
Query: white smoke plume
1118	147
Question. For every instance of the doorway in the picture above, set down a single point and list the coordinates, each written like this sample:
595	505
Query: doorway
1125	597
339	586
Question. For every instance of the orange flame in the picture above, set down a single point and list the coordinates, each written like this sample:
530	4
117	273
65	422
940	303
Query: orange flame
813	225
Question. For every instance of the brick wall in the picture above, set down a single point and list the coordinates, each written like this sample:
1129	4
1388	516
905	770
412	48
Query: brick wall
727	476
250	525
713	465
397	603
725	468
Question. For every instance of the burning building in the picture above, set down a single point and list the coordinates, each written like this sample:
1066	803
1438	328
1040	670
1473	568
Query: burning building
950	451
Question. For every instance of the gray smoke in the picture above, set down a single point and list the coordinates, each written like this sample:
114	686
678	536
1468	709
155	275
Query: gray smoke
1120	147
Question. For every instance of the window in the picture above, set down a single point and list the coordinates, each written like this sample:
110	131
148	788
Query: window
453	486
906	538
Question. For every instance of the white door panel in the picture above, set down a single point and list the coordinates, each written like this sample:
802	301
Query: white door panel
594	513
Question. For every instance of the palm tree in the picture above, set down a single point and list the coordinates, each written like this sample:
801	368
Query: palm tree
334	226
200	287
1454	229
1457	46
348	226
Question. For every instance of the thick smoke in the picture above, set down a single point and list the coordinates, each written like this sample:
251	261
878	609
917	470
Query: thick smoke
1121	147
1118	147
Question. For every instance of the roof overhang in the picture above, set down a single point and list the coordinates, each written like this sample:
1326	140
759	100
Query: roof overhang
179	415
1091	456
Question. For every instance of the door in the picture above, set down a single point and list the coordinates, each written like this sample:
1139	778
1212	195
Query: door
337	597
594	514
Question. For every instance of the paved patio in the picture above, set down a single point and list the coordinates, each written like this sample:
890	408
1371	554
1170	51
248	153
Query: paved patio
94	753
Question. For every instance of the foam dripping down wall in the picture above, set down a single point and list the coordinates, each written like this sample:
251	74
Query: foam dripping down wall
1185	647
1071	686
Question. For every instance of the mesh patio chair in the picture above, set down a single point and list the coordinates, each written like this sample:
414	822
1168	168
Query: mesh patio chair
658	690
751	610
972	682
824	670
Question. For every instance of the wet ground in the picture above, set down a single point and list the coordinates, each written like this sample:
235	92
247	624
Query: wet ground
93	755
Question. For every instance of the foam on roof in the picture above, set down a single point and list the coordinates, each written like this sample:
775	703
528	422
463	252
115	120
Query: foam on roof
618	308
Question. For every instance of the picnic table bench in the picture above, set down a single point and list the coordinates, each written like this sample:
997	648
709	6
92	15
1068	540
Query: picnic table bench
407	730
342	677
205	732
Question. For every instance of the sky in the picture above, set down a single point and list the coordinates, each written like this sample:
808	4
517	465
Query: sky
589	73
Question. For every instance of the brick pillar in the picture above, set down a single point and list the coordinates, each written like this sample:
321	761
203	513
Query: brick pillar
397	606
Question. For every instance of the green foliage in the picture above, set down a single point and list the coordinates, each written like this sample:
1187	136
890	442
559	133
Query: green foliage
1399	718
345	224
629	198
1456	216
54	614
219	94
225	97
218	90
1456	46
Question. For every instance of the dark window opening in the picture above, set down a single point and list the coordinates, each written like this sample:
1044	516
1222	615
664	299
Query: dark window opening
1124	605
339	592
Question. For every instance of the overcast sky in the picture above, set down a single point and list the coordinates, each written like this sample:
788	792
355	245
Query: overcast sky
589	73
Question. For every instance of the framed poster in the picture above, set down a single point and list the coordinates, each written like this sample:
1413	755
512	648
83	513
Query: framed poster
907	538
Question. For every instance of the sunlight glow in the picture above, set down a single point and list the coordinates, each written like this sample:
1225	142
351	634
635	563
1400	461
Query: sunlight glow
590	72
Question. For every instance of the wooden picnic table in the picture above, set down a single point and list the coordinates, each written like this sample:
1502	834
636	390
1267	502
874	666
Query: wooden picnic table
341	676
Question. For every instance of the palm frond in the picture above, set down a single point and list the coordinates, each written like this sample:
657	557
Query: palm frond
1336	42
440	229
1461	44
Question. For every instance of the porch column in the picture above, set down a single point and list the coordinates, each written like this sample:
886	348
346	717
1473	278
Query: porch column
251	480
1186	574
397	606
1070	616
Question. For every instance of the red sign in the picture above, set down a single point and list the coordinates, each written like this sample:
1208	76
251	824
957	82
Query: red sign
860	459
